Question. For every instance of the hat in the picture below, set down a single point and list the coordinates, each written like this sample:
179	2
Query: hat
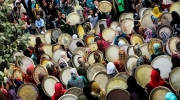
177	47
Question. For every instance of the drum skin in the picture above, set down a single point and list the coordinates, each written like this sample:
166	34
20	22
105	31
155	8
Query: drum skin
158	93
65	75
73	18
75	91
130	64
28	91
119	94
90	57
68	97
174	79
112	56
105	6
48	85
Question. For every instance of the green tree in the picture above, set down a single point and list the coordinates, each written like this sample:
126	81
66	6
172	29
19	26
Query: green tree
12	36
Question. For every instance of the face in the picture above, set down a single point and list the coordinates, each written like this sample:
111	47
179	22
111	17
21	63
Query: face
18	5
91	12
63	16
121	51
7	86
38	17
50	6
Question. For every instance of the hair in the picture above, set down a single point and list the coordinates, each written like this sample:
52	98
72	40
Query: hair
101	27
27	53
79	44
41	27
38	41
41	77
157	69
63	47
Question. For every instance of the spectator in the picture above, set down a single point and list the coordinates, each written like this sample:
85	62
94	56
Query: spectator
39	23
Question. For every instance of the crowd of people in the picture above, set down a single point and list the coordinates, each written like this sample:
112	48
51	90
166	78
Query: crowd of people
47	15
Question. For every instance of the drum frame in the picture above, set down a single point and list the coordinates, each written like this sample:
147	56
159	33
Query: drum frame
126	67
74	88
107	49
99	52
52	37
118	89
62	73
138	36
170	82
37	81
102	3
65	35
162	27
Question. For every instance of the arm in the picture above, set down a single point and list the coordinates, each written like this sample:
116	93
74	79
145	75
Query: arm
42	22
85	81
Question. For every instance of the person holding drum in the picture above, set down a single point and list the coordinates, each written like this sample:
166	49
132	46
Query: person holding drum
81	69
119	34
38	49
63	55
175	23
156	81
29	76
59	91
93	18
97	59
111	70
96	90
176	56
142	58
76	80
157	51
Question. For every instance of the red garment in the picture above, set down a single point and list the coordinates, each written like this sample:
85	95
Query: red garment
59	91
5	93
29	77
119	66
156	79
108	22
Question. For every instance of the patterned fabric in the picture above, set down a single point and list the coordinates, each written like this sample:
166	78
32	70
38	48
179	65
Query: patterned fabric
78	82
148	33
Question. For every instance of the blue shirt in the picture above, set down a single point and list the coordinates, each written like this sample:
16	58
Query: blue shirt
39	23
117	37
93	20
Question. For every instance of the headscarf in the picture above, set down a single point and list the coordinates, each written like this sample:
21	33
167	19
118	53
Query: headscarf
96	88
175	18
122	57
156	12
96	56
74	73
156	79
157	48
100	45
30	69
33	5
154	19
170	96
111	68
77	7
59	91
87	92
118	30
74	36
119	66
120	43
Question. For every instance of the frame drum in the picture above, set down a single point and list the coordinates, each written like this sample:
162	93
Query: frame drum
32	40
164	64
48	85
73	46
159	93
99	76
57	55
65	75
175	7
39	70
126	15
28	91
172	43
65	39
130	51
75	91
142	74
130	64
47	37
17	54
81	51
127	25
136	38
80	31
123	40
73	18
17	74
144	50
42	37
165	32
105	6
25	62
112	53
55	47
141	12
90	57
148	11
75	60
174	79
89	39
151	44
102	21
109	34
114	83
119	94
44	56
87	27
166	18
47	49
114	24
123	75
44	62
93	69
55	34
12	67
146	21
68	97
125	47
93	46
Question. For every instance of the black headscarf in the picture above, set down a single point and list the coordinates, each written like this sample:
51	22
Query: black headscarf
175	18
133	87
87	92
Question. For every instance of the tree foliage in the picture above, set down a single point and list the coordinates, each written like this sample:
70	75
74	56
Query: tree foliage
12	37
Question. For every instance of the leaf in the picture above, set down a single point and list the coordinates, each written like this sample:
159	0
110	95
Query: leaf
7	55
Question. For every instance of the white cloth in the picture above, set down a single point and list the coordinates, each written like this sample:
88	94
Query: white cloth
120	43
74	36
166	2
74	71
110	68
17	2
